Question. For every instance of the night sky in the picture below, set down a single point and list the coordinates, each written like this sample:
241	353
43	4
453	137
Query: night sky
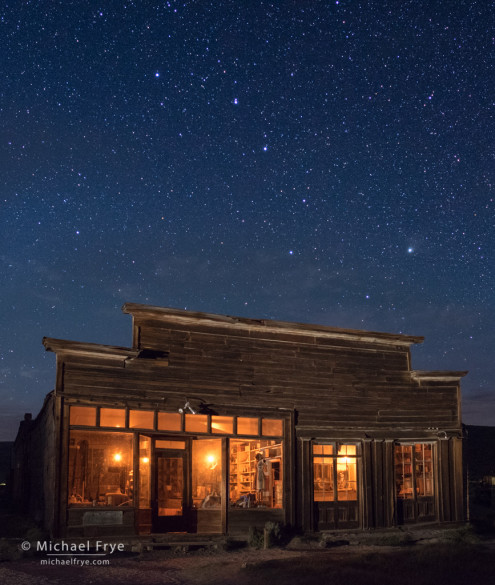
319	162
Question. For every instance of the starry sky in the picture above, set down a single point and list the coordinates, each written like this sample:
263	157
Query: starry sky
320	162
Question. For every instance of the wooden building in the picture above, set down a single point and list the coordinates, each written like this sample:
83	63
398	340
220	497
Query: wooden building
212	424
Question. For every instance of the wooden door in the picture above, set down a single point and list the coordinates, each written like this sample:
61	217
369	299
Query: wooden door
170	510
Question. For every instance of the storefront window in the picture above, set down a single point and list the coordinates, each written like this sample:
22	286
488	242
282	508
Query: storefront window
207	473
100	469
144	472
334	476
256	474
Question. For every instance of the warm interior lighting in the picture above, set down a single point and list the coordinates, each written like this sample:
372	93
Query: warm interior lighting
145	459
117	457
212	462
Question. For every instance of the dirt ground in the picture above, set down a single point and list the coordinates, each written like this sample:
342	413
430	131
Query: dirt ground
422	564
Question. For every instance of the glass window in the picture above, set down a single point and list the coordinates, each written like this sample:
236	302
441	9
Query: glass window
222	425
271	427
112	417
207	474
322	449
144	472
414	470
164	444
83	415
169	421
323	472
334	475
256	473
247	426
197	423
100	469
141	419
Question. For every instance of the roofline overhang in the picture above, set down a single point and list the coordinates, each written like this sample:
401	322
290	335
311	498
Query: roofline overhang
438	375
180	316
64	346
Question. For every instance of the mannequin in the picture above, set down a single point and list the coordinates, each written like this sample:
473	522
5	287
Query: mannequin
260	477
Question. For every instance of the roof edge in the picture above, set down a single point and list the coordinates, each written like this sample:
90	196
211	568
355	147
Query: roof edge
439	375
82	347
268	325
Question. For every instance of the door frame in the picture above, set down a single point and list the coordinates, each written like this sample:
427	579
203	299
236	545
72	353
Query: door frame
162	524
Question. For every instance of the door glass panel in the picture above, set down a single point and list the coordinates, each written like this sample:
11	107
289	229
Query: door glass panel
423	469
170	488
207	473
347	477
144	472
323	479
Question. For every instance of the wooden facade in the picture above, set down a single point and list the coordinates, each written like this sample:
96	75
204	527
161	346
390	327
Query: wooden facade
212	424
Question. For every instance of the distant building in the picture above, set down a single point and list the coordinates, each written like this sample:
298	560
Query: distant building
212	424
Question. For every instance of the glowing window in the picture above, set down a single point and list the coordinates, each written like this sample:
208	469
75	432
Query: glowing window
100	469
322	449
247	426
141	419
169	421
163	444
112	417
271	427
83	415
197	423
222	425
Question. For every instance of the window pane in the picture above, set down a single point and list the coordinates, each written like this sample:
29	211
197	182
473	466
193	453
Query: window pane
271	427
100	469
141	419
169	421
162	444
403	472
347	450
222	424
423	469
323	481
83	415
247	426
207	479
197	423
256	474
346	478
322	449
112	417
144	472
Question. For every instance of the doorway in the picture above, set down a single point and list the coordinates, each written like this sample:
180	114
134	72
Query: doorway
170	510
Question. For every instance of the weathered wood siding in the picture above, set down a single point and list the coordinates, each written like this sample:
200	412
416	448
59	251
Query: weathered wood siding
332	384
